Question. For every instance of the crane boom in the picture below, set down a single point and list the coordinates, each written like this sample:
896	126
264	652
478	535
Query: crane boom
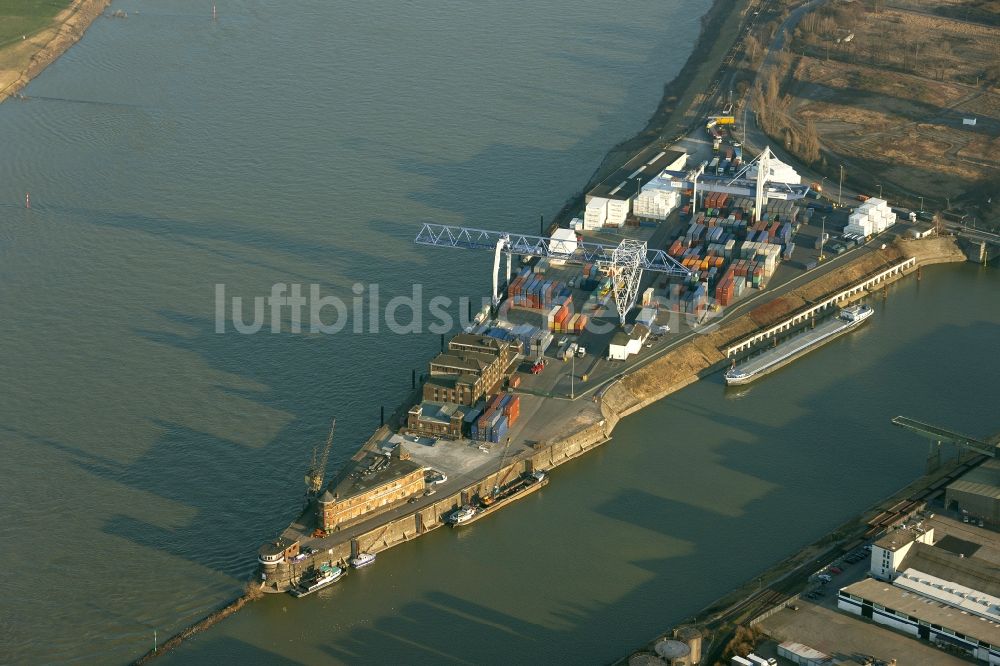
444	235
317	468
503	457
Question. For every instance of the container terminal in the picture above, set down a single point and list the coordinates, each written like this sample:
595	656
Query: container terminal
679	241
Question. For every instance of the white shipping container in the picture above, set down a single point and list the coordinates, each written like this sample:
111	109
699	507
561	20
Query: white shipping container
864	229
596	213
618	210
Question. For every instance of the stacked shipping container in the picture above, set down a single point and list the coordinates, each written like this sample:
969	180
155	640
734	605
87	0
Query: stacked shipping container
728	251
502	412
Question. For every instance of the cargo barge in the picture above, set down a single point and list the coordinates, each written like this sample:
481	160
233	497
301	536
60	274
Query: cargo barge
786	352
521	487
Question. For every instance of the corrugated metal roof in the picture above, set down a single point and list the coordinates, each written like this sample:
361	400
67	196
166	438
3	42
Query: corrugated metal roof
983	480
804	651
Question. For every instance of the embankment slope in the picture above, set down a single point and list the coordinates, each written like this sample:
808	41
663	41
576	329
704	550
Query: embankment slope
25	59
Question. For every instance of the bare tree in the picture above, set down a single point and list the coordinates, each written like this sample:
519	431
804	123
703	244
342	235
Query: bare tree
809	146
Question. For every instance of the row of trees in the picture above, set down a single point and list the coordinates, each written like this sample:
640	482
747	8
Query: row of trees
771	107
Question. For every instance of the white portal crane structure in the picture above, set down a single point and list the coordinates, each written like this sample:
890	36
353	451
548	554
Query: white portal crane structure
763	162
624	262
627	273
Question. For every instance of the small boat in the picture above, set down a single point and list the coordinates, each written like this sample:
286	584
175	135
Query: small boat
463	515
326	575
362	560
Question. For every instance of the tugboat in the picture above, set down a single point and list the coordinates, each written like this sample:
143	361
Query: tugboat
327	575
463	515
362	560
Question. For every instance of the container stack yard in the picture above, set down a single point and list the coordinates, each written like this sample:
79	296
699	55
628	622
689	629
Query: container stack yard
728	252
552	299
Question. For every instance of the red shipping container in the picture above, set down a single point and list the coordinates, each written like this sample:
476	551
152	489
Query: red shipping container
512	404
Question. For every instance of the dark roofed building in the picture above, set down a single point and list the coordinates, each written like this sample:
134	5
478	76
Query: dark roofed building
644	167
482	344
275	552
473	367
978	492
436	419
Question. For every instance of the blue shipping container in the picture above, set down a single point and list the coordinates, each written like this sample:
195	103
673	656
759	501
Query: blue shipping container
499	431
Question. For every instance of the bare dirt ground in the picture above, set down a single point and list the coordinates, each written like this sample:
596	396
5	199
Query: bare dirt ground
888	91
24	59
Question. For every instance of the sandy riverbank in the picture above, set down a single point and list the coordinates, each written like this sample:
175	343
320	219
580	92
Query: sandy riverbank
23	60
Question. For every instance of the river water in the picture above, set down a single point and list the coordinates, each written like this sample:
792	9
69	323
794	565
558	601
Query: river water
147	456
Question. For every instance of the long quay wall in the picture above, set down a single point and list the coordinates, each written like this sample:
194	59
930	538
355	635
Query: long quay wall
888	275
412	525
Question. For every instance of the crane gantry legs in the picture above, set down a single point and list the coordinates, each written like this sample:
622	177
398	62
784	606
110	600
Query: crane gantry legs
626	273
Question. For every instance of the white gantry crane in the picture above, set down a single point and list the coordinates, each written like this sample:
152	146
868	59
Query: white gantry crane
763	162
624	262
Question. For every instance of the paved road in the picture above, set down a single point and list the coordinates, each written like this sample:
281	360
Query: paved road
973	233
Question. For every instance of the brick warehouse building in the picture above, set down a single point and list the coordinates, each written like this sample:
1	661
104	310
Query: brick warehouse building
472	368
436	419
